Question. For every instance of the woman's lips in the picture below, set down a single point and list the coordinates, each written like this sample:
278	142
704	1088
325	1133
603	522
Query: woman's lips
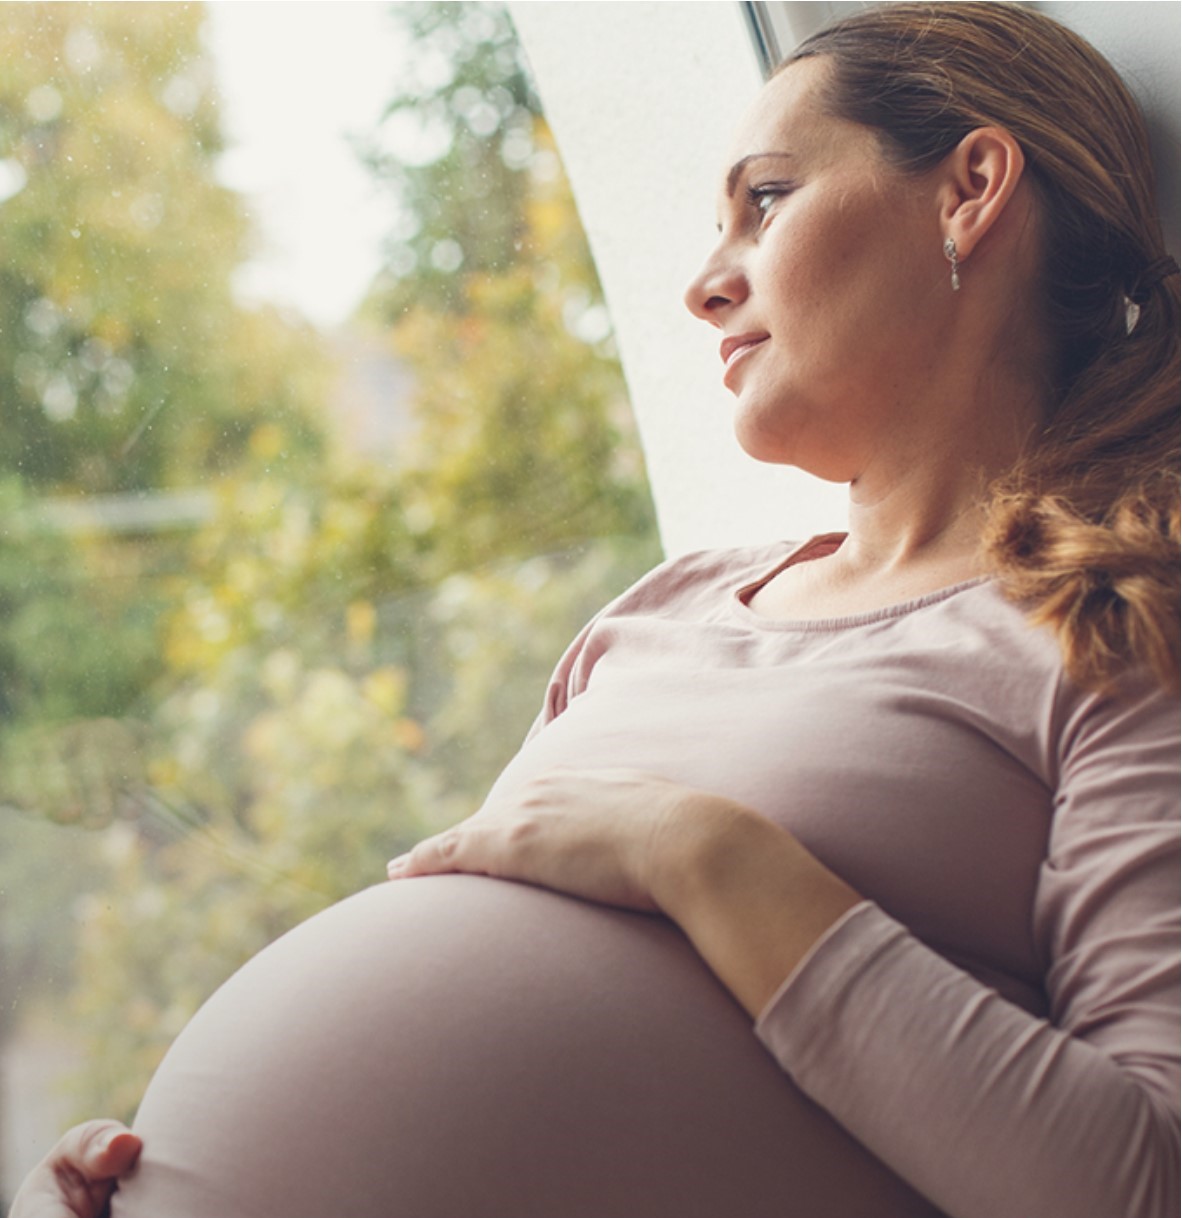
734	349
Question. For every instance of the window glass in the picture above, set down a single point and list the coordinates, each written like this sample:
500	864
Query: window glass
284	561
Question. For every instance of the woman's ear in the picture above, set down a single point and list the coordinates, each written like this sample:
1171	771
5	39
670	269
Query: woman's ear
981	174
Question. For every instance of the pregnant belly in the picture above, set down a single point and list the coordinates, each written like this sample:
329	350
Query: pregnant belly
460	1047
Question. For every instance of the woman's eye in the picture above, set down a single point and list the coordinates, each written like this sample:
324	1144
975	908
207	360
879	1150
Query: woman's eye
762	198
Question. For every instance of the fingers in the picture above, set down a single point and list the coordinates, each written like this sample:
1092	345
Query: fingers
101	1149
111	1150
482	845
77	1176
448	851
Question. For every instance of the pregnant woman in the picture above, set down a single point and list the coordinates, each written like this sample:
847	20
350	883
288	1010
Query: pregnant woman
837	878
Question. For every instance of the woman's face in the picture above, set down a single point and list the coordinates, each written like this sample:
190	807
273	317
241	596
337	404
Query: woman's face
827	284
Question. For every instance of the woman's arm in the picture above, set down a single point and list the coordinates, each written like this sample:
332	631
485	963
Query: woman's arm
748	896
983	1107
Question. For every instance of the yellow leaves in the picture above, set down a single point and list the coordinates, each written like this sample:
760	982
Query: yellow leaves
244	582
184	650
322	717
408	735
548	219
164	772
74	773
497	299
263	739
111	329
256	502
200	631
279	673
328	715
386	688
472	329
267	441
343	519
360	619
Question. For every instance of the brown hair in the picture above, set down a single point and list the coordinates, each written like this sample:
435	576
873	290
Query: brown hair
1084	531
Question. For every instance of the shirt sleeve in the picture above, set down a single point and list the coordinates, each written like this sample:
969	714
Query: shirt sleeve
985	1109
567	679
573	670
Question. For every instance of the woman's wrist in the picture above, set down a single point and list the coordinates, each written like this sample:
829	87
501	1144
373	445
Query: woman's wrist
751	899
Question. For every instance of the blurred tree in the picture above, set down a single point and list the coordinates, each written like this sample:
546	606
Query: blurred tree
125	366
125	363
526	439
526	443
456	150
122	359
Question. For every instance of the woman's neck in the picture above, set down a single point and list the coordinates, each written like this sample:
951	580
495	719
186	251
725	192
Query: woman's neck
920	500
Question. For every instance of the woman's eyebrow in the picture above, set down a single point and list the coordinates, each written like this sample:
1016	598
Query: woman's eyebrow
733	174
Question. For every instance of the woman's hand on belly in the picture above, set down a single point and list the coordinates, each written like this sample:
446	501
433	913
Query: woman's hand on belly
747	894
601	835
77	1177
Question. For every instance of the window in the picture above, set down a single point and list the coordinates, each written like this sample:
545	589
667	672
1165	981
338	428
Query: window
282	568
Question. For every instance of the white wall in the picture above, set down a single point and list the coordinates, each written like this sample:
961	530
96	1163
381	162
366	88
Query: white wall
642	98
1142	42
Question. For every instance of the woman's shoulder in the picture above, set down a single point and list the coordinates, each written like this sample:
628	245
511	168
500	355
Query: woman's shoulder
1121	734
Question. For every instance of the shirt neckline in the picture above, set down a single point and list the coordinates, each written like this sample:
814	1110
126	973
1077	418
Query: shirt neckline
818	547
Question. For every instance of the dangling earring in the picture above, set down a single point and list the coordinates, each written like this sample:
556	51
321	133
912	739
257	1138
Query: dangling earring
950	254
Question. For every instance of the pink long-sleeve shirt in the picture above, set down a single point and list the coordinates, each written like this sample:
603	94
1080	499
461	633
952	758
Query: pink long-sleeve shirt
995	1026
998	1021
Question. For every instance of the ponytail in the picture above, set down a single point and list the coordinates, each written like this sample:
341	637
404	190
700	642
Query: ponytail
1084	532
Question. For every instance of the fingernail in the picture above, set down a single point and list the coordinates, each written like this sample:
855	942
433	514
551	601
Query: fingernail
396	866
105	1141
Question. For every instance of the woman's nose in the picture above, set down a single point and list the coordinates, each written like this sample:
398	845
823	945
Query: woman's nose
717	286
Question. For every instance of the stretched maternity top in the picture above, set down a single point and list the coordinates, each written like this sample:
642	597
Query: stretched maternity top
992	1032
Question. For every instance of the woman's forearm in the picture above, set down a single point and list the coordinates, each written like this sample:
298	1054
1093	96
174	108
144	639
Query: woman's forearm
750	898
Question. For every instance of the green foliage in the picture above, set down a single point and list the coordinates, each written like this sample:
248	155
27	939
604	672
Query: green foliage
502	629
125	363
125	366
122	358
77	622
455	152
526	442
